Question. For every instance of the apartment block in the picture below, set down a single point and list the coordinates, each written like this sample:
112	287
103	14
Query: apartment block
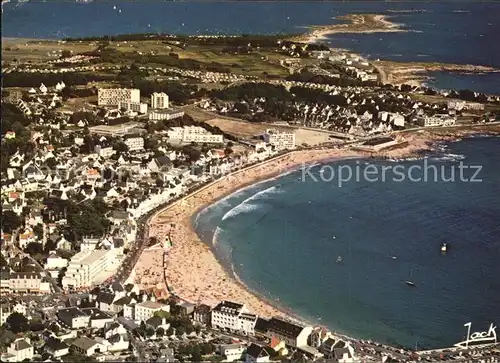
197	134
159	100
436	120
134	143
113	96
280	140
25	282
138	107
203	138
85	266
171	114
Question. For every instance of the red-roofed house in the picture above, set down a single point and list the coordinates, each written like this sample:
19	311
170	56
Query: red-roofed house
279	346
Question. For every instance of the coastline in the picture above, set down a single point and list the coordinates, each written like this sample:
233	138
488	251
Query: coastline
207	279
355	23
396	73
193	270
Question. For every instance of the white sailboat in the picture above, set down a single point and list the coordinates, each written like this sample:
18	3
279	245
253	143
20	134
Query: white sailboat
410	282
444	247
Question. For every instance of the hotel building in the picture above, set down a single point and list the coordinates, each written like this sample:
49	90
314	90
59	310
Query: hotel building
28	283
159	100
134	143
134	107
113	96
175	133
234	317
292	334
462	105
85	266
198	134
158	115
145	310
280	140
437	120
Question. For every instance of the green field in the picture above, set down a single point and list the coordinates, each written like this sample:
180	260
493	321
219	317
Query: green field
148	53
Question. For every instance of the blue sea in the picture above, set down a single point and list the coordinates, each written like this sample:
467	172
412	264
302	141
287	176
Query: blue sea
457	32
282	237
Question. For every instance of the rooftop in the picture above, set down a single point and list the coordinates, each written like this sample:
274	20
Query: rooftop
284	327
93	257
151	305
96	314
84	343
70	313
22	344
228	307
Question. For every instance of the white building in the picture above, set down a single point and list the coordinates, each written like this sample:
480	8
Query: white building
55	262
232	352
188	134
5	311
234	317
398	120
246	323
113	96
27	282
257	354
159	100
145	310
200	135
85	266
462	105
88	347
158	115
205	138
291	334
105	152
19	350
73	318
137	107
89	244
175	133
280	140
134	143
436	120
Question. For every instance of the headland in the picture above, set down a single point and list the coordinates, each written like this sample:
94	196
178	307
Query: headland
355	23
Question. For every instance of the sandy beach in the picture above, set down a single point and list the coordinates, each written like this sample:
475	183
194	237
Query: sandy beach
193	272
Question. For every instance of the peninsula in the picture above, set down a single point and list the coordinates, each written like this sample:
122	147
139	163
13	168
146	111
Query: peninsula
354	23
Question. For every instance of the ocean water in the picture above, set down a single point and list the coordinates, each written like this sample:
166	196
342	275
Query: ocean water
282	238
457	32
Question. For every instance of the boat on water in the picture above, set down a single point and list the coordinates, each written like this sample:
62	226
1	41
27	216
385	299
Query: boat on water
444	247
410	282
339	259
